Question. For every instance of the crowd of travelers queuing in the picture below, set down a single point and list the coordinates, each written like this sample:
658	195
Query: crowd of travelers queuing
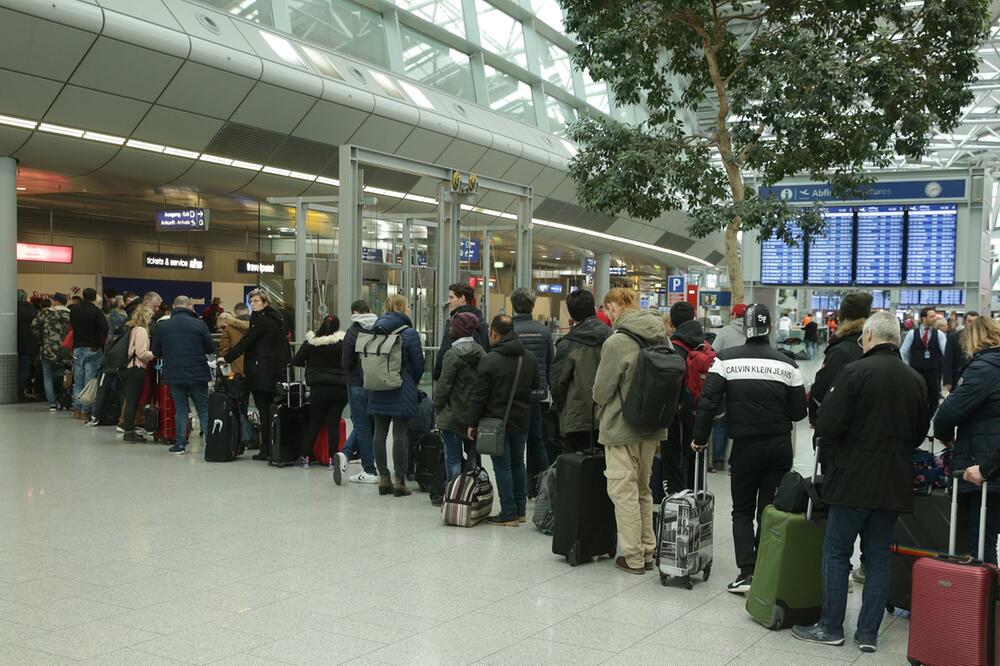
874	365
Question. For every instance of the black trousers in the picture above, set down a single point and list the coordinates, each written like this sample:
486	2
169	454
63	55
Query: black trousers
677	458
758	466
932	378
582	440
326	405
132	379
265	407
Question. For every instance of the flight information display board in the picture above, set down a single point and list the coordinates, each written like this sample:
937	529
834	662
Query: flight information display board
909	297
929	297
880	245
952	297
830	254
880	300
930	247
781	263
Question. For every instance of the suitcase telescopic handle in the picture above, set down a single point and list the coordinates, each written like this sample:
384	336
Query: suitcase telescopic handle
700	462
953	523
819	445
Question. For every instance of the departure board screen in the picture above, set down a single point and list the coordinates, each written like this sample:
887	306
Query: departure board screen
909	297
952	297
830	254
880	245
930	248
880	299
929	297
781	263
820	300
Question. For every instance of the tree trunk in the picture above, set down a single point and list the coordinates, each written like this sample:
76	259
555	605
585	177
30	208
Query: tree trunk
734	261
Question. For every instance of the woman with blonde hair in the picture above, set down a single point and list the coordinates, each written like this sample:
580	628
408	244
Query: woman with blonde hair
396	407
973	407
133	376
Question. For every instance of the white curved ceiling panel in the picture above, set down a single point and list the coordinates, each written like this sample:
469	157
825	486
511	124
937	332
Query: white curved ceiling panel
21	40
639	231
155	169
179	129
437	123
424	145
96	111
126	70
565	191
154	12
381	133
474	134
390	108
274	108
151	36
523	171
213	178
11	139
331	123
547	180
225	34
296	80
494	163
64	155
354	98
507	145
461	155
26	96
231	61
188	88
265	185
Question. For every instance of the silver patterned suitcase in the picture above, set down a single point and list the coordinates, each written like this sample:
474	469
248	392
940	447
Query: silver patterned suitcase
684	534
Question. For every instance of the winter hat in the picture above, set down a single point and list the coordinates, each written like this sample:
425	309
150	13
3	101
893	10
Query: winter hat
757	320
463	325
856	305
739	310
603	316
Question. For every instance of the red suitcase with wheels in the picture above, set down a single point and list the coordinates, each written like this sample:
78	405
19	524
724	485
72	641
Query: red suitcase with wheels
954	611
321	449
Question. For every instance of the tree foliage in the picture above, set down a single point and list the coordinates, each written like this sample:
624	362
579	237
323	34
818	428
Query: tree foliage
828	88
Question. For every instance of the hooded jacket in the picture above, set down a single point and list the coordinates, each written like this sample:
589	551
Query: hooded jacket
322	357
495	381
731	335
181	342
401	402
873	417
536	338
50	328
842	350
26	315
482	336
232	329
265	351
453	392
973	407
574	369
615	374
349	357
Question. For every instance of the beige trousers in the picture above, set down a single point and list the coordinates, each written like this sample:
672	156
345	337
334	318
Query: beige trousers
628	469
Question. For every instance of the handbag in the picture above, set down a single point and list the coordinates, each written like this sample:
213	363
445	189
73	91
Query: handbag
491	433
468	499
88	396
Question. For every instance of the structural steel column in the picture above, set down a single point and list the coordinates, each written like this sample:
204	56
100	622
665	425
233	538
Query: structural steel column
522	276
8	280
349	236
602	277
301	299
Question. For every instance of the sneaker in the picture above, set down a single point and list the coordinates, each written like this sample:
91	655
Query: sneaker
53	408
859	574
177	450
503	521
437	500
741	585
817	634
649	565
92	421
143	432
865	644
620	563
361	477
339	464
304	461
133	437
121	429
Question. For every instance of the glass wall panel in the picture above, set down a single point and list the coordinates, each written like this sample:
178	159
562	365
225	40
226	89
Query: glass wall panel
555	65
251	10
501	33
560	114
597	93
429	61
444	13
509	96
547	11
342	26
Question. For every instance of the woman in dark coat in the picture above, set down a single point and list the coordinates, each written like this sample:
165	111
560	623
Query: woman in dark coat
974	409
396	406
327	379
265	347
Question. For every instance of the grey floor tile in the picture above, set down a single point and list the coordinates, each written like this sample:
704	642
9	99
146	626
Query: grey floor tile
538	651
201	645
88	640
316	647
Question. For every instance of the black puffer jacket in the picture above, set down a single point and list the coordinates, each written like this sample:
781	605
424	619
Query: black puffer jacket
266	349
536	338
840	351
322	357
872	418
495	380
26	343
762	389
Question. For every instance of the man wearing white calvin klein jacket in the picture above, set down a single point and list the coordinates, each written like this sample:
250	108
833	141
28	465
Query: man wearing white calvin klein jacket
764	394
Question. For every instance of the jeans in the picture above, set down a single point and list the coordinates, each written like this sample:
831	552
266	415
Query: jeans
326	405
199	394
362	427
132	379
758	465
538	457
454	445
842	530
810	349
52	371
86	364
400	445
23	373
720	435
512	477
992	524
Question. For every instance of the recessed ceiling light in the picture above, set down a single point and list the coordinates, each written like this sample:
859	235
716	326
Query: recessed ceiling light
283	48
274	171
302	176
21	188
328	181
18	122
59	129
247	165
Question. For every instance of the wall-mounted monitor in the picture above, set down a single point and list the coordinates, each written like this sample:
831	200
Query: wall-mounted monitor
952	297
930	246
781	263
880	245
830	254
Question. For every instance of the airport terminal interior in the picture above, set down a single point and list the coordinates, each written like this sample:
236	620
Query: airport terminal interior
330	152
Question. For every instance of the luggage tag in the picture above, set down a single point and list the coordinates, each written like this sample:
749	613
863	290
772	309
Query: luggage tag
927	354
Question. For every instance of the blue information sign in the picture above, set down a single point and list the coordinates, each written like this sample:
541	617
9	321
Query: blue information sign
589	265
880	245
830	254
676	284
930	247
781	263
468	251
373	255
182	219
909	190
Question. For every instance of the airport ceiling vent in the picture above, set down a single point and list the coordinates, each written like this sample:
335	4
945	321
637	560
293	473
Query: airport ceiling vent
261	146
715	257
674	241
567	213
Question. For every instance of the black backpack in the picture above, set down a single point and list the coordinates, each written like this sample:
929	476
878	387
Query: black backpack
116	352
655	393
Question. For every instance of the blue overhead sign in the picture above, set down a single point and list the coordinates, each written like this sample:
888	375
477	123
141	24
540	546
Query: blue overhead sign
589	266
903	190
183	219
468	251
676	284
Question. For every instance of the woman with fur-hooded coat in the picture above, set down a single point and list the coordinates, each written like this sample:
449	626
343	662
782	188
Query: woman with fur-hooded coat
327	379
843	348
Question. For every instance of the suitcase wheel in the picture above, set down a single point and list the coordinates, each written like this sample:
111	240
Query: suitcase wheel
687	583
914	662
612	553
664	579
571	556
706	573
890	609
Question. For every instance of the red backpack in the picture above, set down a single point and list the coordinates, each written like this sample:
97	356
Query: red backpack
699	362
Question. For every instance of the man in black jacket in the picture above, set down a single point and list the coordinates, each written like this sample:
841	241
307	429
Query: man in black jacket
461	298
27	346
90	328
537	339
763	394
498	378
676	459
843	348
868	477
954	356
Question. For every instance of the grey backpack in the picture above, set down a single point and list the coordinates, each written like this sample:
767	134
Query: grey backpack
381	359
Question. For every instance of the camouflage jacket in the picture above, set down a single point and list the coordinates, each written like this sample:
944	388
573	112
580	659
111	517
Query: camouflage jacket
50	328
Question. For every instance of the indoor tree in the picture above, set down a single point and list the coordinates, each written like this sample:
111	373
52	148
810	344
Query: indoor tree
828	88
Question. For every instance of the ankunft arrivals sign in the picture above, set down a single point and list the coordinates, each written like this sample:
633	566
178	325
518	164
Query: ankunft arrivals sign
258	267
182	219
160	260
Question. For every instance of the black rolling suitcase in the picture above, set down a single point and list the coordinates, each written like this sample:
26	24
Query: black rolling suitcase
222	434
429	465
585	517
289	423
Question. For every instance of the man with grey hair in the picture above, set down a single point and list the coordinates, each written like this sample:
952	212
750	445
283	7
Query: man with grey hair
150	299
182	343
536	338
872	418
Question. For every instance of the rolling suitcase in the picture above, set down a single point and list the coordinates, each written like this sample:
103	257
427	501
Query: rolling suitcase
787	587
584	525
222	436
684	531
954	614
321	448
429	468
288	425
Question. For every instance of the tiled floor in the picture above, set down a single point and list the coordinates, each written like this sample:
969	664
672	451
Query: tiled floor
118	554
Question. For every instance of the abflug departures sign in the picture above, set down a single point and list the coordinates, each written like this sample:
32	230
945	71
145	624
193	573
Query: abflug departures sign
175	261
182	219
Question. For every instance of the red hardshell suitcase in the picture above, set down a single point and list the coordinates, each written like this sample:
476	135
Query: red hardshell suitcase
321	449
954	611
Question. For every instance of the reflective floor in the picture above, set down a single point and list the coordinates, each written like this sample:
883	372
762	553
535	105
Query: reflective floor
122	554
